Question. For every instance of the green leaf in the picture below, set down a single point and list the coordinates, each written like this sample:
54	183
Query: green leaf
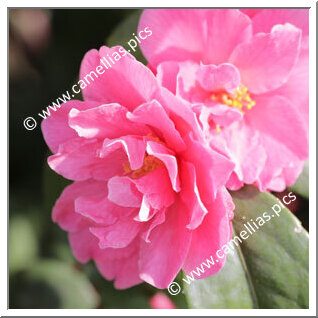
272	262
23	247
301	186
124	33
72	287
228	289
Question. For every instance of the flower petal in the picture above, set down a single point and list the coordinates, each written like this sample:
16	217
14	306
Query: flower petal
120	82
267	60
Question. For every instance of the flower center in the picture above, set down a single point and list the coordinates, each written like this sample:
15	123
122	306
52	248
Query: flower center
150	163
240	99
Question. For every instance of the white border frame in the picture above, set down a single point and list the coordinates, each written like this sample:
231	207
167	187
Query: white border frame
157	312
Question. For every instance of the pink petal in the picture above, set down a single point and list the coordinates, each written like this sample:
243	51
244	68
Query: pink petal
222	77
154	115
162	258
161	301
272	176
296	89
124	271
56	129
99	210
123	192
163	154
265	20
198	35
252	12
180	112
64	209
119	83
245	150
83	244
210	236
191	196
105	121
219	114
78	160
157	187
267	60
158	219
134	147
167	73
225	29
274	116
176	35
117	235
212	168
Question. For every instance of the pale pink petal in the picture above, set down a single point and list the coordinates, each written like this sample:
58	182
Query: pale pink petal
271	177
195	82
219	114
265	20
244	147
222	77
274	116
296	89
266	62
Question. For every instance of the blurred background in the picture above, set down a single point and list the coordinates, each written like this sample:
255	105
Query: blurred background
45	51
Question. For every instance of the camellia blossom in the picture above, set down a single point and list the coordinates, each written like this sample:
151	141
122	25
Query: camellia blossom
246	77
148	196
161	301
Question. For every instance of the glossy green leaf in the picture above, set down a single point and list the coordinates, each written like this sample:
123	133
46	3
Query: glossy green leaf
72	287
228	289
301	186
273	261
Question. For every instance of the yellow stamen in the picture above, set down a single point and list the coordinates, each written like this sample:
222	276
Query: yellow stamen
240	99
150	163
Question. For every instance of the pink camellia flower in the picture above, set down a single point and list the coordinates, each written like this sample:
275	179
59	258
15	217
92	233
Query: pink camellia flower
246	77
161	301
148	197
